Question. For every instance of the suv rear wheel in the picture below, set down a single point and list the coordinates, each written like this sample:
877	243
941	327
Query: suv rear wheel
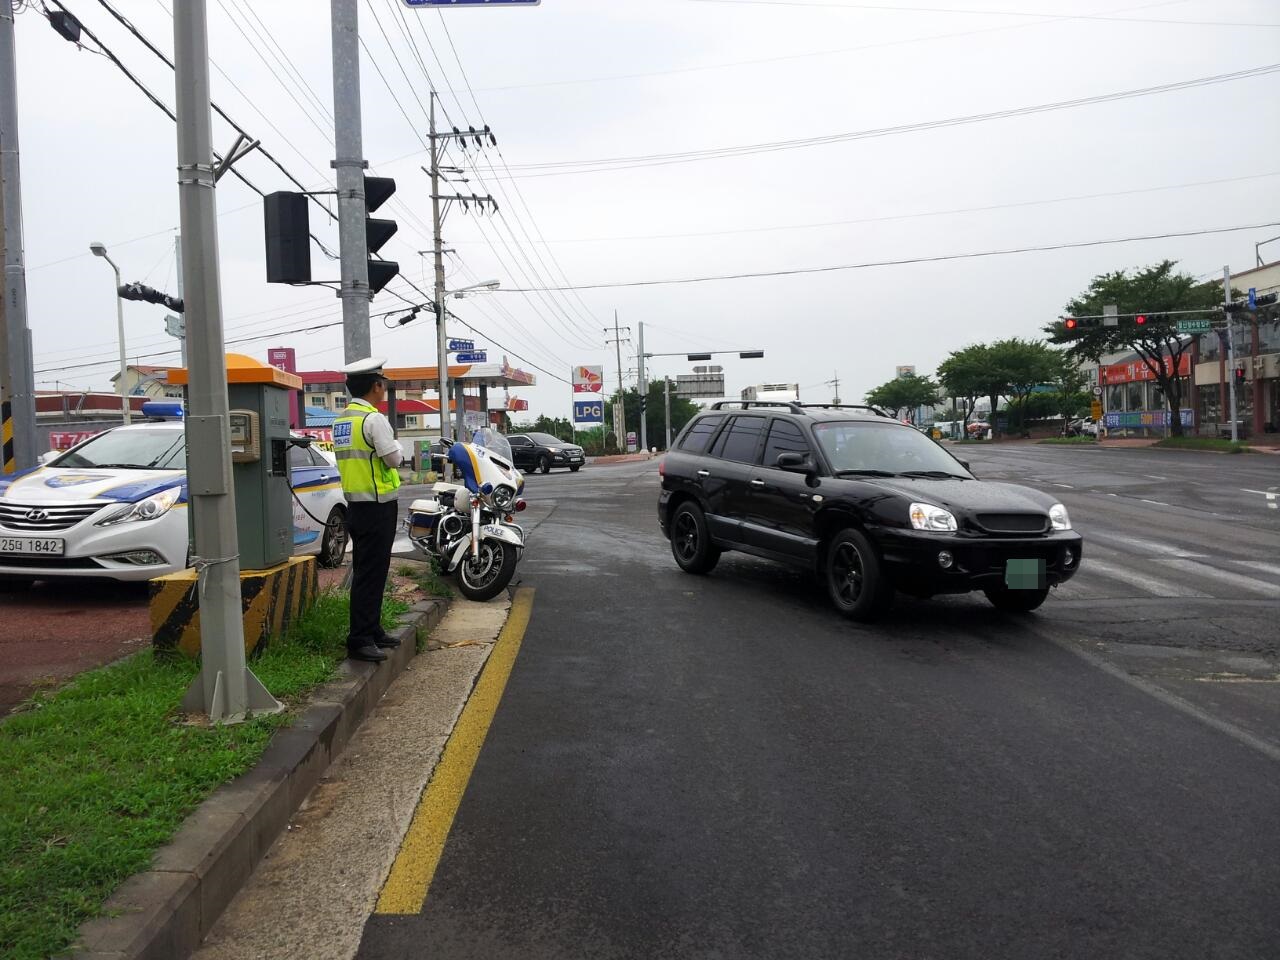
690	542
855	577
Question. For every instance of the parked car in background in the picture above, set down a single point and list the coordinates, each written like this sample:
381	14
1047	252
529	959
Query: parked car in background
1082	427
869	505
115	506
542	451
977	429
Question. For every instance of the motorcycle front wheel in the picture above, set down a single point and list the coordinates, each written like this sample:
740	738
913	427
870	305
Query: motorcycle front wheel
487	575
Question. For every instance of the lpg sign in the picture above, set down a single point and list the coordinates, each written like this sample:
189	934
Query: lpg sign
588	411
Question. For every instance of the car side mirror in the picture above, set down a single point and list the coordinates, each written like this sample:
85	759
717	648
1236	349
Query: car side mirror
794	462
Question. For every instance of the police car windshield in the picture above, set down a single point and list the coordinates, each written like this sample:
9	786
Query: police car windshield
147	448
871	448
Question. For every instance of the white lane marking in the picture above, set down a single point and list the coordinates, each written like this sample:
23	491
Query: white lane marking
1152	585
1064	486
1153	548
1158	503
1254	742
1263	567
1152	476
1239	581
1271	497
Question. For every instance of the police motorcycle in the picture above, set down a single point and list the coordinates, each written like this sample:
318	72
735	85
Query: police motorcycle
470	528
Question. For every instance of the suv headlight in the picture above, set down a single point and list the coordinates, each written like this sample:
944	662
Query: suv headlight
925	516
155	506
1059	518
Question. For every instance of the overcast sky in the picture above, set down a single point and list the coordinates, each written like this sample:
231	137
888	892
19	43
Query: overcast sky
584	80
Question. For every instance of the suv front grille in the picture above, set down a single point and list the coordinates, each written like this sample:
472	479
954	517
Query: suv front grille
1013	522
37	518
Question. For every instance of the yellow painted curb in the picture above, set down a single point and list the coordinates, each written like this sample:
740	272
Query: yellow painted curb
415	865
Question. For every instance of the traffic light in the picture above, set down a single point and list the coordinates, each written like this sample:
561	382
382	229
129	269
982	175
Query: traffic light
1238	373
377	190
1082	323
288	232
751	355
1140	320
140	291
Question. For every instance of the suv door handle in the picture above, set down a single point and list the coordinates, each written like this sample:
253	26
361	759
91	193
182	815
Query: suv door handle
704	473
757	483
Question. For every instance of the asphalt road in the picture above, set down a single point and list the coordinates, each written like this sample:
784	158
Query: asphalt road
721	767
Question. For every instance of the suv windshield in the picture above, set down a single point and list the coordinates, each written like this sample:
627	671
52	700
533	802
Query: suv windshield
546	439
883	448
144	449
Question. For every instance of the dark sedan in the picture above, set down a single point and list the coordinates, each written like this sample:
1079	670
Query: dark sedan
871	505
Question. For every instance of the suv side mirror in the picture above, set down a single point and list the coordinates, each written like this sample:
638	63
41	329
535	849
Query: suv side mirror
794	462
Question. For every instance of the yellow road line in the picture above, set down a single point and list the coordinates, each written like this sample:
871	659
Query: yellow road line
415	865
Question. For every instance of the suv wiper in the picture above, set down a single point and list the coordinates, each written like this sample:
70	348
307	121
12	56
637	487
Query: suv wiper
936	474
865	473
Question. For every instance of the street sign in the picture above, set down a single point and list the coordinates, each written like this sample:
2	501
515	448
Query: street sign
1111	315
1193	326
697	385
588	379
633	442
471	3
479	356
1253	298
175	326
588	411
464	345
1097	391
1095	410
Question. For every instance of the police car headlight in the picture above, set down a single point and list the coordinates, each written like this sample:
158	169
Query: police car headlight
152	508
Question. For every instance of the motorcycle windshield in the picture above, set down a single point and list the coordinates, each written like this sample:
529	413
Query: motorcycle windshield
494	442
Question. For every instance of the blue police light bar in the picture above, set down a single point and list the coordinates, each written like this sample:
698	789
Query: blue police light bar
162	409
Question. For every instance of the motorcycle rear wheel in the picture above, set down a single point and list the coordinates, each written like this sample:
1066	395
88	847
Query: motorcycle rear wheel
486	576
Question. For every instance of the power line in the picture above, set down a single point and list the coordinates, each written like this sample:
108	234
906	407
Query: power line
565	167
912	260
915	216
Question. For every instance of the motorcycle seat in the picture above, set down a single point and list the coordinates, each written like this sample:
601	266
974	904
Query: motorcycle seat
442	487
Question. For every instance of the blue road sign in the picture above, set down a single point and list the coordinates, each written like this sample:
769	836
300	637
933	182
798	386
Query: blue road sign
1253	298
456	345
588	411
471	3
479	356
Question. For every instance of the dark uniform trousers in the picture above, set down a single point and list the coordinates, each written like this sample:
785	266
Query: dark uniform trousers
373	532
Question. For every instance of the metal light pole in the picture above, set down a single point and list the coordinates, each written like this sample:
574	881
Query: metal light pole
644	393
99	250
1231	350
226	690
350	165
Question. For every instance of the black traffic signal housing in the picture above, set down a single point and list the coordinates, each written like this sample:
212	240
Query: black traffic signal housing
377	191
1081	323
288	234
1238	374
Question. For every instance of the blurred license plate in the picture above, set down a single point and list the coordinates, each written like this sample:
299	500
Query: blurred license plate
31	546
1024	574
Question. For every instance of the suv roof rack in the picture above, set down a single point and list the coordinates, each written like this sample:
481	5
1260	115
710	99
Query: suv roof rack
846	406
746	404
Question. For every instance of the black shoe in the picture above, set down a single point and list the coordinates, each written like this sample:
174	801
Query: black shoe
387	643
369	653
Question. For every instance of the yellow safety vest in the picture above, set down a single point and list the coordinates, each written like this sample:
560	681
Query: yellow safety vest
365	477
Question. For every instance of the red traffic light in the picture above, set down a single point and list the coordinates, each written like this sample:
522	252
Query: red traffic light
1070	323
1140	319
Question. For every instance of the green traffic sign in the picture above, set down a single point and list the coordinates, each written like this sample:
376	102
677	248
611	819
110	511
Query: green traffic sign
1193	326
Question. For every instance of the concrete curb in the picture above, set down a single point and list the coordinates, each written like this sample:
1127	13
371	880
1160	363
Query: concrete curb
165	912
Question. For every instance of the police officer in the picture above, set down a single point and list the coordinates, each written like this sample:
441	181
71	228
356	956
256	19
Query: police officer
368	456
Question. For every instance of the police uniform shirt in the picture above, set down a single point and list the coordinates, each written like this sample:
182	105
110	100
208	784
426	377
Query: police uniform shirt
378	433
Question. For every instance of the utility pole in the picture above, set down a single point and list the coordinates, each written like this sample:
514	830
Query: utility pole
644	394
666	402
1231	349
225	690
8	462
619	408
834	384
442	353
18	418
177	256
350	165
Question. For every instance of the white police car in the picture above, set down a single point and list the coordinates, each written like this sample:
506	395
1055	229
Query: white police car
115	506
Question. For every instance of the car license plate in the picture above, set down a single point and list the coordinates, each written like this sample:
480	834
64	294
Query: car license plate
31	546
1024	574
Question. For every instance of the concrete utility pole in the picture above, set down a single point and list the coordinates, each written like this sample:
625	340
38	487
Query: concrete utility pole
666	402
177	257
619	408
225	690
644	393
18	417
350	166
442	352
1231	349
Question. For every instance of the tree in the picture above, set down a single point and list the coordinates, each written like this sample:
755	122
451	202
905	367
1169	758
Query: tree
904	393
963	375
1023	365
1153	291
1068	387
682	411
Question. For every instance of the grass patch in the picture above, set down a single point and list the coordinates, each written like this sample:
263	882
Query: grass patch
1070	441
97	775
1211	444
428	578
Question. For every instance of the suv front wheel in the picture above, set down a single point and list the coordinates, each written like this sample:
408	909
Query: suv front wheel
855	577
690	542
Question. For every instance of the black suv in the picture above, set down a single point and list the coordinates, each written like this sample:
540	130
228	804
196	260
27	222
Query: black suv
870	504
542	451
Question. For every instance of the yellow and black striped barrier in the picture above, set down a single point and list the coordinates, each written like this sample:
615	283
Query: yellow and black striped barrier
270	600
8	462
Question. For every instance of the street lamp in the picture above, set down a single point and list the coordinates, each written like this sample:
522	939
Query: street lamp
99	250
442	352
